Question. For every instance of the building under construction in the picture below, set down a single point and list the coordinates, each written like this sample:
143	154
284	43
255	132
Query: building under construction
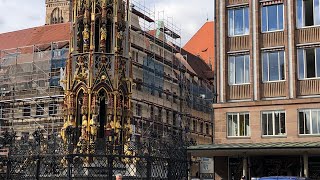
171	91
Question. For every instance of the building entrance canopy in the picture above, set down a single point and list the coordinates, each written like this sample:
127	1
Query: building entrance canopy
253	149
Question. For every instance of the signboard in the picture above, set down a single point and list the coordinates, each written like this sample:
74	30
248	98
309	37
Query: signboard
206	166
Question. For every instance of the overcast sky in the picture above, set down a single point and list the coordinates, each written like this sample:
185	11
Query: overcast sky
189	15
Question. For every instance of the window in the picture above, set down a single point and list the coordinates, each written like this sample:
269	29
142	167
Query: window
309	63
26	110
238	124
53	108
201	127
138	109
239	69
159	114
174	118
139	86
273	66
309	121
151	112
194	125
308	13
40	109
238	21
273	123
167	116
272	17
207	129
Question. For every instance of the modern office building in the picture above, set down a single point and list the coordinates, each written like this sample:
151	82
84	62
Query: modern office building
267	116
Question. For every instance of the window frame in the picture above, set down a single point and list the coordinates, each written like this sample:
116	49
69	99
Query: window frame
238	124
273	123
317	76
303	26
40	109
311	123
234	67
284	67
243	13
278	24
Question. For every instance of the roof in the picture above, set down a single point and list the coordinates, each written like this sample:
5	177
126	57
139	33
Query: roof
198	65
249	148
35	36
202	43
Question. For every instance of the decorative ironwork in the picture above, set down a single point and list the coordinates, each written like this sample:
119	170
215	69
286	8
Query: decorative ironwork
40	157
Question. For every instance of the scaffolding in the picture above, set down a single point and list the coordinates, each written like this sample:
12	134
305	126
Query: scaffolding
31	91
165	72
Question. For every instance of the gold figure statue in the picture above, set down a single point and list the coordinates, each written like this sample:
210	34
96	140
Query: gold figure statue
86	36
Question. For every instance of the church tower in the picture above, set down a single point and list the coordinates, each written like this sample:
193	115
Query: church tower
99	75
58	11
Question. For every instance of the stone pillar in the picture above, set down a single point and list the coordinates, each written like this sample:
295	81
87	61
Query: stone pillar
305	165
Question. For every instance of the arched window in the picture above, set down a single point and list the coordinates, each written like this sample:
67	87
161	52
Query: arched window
56	16
102	104
79	104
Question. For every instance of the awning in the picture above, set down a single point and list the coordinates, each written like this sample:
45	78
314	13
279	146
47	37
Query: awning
277	148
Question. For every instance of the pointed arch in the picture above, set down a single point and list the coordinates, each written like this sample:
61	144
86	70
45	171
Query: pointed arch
56	16
103	100
103	85
78	115
80	85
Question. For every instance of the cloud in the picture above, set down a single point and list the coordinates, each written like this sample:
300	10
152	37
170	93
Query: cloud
18	14
187	15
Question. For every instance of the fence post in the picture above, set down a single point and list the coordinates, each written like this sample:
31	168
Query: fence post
8	167
149	166
110	167
169	175
69	168
38	168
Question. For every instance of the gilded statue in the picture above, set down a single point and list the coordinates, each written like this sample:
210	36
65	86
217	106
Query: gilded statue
86	36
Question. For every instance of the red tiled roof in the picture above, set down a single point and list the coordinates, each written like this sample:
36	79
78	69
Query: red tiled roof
202	43
35	36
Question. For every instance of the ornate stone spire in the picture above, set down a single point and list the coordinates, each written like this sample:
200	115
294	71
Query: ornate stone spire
99	79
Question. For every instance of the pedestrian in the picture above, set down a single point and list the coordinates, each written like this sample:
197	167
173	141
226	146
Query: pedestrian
118	177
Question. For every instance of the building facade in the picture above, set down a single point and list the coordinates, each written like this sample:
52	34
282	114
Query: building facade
58	11
267	113
172	89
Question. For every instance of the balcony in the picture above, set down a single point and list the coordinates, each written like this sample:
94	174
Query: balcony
309	87
238	43
308	35
273	39
238	92
273	89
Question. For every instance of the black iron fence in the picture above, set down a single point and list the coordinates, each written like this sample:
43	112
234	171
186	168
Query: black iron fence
41	157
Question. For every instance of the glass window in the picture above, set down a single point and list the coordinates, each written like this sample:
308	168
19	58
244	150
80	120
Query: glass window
239	69
238	22
238	124
53	108
273	66
273	123
309	63
309	121
308	13
272	17
26	110
40	109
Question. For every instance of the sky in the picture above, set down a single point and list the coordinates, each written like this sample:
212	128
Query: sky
187	15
